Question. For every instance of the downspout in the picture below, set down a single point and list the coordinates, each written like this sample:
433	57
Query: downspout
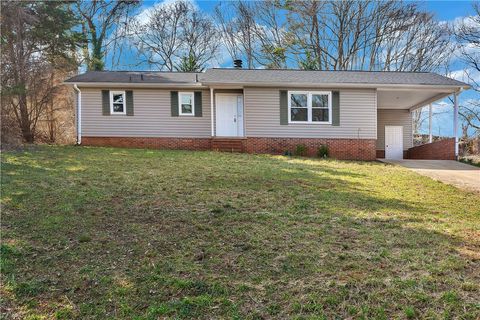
212	112
455	119
79	114
430	112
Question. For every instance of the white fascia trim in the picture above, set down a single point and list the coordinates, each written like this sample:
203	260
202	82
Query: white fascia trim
380	87
137	85
431	100
207	85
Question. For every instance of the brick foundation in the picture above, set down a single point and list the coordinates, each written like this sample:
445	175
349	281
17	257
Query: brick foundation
151	143
438	150
345	149
381	154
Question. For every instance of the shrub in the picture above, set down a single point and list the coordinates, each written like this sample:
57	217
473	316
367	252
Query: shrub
287	153
322	151
301	150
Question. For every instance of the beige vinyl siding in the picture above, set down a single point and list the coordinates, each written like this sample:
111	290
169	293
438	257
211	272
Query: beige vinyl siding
391	117
358	116
152	116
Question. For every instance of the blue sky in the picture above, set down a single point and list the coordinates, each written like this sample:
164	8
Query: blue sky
449	11
444	11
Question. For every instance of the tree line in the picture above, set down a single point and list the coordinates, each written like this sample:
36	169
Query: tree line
42	43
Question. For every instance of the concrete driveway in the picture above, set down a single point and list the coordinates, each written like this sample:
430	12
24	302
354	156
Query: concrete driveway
459	174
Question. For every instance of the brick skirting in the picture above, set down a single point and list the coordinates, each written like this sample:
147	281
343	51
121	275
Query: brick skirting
381	154
345	149
151	143
438	150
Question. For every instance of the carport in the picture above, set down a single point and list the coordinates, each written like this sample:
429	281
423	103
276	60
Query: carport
395	106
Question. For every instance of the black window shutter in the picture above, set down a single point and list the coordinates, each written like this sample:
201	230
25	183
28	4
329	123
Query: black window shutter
129	101
174	103
105	102
198	103
283	107
335	108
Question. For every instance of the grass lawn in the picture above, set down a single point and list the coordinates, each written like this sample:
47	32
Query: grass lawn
95	233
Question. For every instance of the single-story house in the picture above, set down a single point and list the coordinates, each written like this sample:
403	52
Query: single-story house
357	114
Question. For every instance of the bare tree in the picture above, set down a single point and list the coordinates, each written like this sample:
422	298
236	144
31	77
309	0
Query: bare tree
103	24
176	36
271	33
366	35
157	39
421	45
467	34
200	39
238	25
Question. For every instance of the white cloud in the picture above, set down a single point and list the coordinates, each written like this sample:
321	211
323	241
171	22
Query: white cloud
466	75
456	22
441	104
142	17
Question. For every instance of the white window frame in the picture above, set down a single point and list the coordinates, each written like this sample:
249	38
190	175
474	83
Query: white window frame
309	106
124	102
192	94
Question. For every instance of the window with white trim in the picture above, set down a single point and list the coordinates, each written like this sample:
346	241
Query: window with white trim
117	102
186	104
310	107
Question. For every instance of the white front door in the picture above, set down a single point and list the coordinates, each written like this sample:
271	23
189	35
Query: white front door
229	115
393	142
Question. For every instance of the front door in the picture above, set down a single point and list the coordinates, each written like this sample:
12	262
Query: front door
393	142
229	115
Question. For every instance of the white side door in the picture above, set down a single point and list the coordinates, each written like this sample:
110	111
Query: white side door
393	142
226	115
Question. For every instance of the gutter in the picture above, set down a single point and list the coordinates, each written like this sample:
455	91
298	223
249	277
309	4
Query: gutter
170	85
379	86
231	84
79	114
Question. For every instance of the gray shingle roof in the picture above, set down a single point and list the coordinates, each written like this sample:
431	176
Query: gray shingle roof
262	76
257	76
135	77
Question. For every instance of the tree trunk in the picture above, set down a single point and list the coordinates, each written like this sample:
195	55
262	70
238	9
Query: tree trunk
27	133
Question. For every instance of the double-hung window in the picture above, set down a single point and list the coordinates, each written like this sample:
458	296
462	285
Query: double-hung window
310	107
117	102
186	104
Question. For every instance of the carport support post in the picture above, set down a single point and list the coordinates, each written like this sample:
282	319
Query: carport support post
430	123
455	122
212	111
